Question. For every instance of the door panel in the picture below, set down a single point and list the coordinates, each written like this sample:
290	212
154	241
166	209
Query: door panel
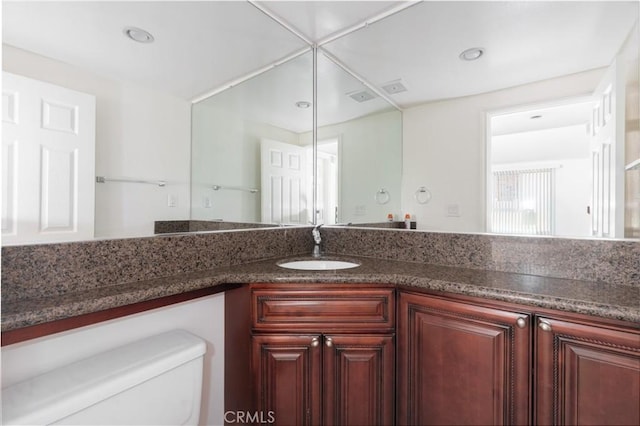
359	380
586	375
283	175
48	150
461	364
608	156
287	375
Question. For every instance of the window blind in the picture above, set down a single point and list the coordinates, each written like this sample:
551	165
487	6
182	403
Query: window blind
523	201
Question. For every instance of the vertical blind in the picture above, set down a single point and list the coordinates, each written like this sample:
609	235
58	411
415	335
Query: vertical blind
523	201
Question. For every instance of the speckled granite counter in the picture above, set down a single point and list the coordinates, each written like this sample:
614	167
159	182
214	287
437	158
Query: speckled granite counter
598	299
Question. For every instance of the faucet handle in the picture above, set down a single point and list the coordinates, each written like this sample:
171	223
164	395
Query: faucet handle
316	234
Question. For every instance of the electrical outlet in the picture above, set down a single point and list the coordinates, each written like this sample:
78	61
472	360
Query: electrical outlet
172	200
452	210
206	202
361	210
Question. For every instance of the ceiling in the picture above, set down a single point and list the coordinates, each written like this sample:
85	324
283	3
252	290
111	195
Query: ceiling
201	46
524	41
198	45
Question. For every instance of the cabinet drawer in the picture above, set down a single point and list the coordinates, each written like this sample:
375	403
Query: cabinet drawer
325	309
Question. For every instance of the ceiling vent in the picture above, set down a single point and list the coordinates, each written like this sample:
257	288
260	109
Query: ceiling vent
394	87
362	95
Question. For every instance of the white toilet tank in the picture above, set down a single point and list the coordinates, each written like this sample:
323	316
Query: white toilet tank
155	381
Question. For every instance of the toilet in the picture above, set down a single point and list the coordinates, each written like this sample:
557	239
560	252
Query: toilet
154	381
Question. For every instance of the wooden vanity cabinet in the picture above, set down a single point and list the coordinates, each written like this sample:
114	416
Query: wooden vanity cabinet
287	377
337	354
324	356
586	374
461	364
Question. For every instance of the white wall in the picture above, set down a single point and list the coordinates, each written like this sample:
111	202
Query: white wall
444	149
541	145
203	317
370	158
226	151
140	133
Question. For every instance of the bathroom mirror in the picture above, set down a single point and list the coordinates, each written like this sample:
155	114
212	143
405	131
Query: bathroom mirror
245	139
143	91
359	150
251	165
448	107
489	87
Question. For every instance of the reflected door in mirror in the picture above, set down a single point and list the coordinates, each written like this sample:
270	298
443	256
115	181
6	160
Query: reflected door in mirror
48	155
283	177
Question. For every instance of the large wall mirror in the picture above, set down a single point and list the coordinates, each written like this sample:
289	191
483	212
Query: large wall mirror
519	117
141	87
249	165
252	151
508	117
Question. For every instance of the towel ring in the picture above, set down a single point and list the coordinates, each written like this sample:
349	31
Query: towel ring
422	195
382	196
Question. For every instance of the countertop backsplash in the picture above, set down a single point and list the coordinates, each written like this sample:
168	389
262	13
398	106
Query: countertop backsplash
610	261
33	271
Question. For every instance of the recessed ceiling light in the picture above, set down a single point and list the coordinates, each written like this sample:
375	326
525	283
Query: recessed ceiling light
394	87
303	104
362	95
472	54
137	34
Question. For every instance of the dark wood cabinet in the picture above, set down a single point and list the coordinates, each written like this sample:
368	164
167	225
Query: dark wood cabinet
324	356
337	379
461	364
288	378
586	374
359	379
344	354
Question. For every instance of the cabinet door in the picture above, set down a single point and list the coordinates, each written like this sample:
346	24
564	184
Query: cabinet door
586	375
359	380
287	372
461	364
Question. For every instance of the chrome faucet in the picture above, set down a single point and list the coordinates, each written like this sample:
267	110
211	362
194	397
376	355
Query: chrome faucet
318	239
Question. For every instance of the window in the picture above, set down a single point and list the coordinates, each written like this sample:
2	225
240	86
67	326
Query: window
523	201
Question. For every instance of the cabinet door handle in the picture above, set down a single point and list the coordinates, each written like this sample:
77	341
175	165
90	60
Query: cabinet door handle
328	341
544	325
315	342
521	322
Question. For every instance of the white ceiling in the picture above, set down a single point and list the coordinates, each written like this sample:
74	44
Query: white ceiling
524	41
271	97
318	20
201	46
198	45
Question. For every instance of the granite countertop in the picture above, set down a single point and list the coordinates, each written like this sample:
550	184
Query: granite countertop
584	297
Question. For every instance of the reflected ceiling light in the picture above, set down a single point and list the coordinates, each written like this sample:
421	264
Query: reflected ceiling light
362	95
472	54
393	87
137	34
303	104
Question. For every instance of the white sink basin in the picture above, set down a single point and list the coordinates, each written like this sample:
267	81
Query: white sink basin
318	265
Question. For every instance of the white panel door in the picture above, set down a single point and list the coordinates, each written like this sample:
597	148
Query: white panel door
48	162
607	156
283	183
